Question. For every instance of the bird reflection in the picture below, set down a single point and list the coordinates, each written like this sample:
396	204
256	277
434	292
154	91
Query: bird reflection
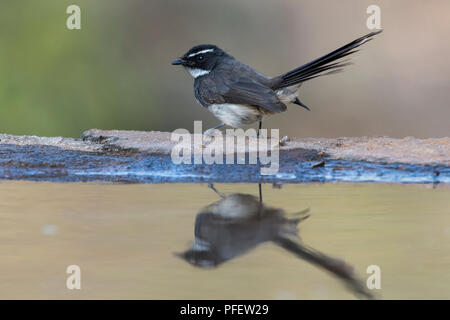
238	223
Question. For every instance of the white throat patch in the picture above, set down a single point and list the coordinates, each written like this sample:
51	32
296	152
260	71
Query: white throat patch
197	72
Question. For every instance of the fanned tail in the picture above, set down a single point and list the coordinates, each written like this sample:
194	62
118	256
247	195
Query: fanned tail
323	65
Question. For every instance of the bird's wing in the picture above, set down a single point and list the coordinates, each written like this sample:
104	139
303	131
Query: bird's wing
249	92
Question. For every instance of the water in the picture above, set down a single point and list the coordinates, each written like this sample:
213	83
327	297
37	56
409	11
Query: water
133	240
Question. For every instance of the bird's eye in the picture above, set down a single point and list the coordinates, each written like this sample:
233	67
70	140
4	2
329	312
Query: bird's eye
200	58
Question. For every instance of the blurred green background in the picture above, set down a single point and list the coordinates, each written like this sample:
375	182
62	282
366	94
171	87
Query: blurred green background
115	72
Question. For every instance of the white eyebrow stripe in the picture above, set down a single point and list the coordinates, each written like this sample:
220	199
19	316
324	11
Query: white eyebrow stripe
203	51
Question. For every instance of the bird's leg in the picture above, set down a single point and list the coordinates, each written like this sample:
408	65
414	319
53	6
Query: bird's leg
220	194
257	155
260	193
259	128
260	200
210	131
259	133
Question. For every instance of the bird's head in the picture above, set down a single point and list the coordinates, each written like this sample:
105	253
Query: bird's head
201	59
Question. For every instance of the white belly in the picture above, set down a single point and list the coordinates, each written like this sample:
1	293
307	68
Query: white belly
235	115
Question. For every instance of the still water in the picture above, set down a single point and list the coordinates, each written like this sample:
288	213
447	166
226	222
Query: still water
194	241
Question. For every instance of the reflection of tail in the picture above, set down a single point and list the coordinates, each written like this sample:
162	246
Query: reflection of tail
338	267
321	66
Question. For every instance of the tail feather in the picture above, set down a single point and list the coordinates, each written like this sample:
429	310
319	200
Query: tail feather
323	65
301	104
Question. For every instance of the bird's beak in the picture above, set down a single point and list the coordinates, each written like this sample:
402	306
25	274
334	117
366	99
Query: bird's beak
177	62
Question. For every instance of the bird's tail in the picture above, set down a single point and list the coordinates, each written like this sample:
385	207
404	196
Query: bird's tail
328	64
337	267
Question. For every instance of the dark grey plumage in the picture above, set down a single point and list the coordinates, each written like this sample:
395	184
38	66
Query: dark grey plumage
239	95
239	223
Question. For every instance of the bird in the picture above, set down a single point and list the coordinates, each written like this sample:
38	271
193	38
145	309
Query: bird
238	223
239	95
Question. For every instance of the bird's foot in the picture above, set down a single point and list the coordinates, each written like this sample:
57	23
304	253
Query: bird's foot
210	132
284	140
259	135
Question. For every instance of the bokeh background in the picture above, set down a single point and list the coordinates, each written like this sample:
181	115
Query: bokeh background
115	72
